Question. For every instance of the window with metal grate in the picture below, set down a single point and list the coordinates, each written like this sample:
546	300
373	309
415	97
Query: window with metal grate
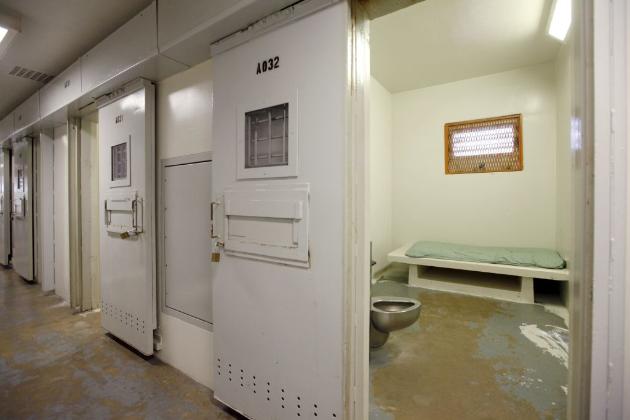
485	145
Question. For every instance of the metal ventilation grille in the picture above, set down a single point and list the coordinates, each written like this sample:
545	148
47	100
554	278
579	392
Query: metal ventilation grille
266	137
486	145
34	75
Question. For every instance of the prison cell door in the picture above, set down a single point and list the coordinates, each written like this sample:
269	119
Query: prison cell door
127	190
22	208
5	206
278	181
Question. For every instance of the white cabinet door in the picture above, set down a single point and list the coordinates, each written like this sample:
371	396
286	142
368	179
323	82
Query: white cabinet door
129	45
127	233
22	208
27	113
278	296
188	270
62	90
5	206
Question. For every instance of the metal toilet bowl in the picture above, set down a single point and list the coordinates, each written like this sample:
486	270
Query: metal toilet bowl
391	313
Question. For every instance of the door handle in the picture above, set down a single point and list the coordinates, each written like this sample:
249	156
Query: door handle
212	234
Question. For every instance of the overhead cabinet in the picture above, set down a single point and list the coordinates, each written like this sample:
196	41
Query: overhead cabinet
27	113
6	127
131	44
64	89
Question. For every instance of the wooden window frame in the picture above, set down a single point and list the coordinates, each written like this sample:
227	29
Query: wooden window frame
447	143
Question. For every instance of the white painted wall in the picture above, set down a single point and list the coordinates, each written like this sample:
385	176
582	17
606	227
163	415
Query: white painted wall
184	126
502	209
564	209
61	216
380	195
184	112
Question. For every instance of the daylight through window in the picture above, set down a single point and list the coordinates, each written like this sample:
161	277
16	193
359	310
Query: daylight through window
486	145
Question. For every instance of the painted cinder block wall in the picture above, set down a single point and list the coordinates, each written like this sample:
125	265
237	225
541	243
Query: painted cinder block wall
526	208
493	209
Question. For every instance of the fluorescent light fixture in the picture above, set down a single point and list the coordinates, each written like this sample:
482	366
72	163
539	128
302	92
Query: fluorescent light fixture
560	19
3	32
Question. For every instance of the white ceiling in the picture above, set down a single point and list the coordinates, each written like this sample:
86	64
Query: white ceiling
440	41
54	34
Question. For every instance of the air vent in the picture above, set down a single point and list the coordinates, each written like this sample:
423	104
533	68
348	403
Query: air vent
36	76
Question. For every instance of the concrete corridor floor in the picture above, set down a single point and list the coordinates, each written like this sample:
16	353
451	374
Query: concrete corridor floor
470	358
54	364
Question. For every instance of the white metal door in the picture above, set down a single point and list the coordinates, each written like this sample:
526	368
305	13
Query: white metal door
188	270
46	211
5	206
279	174
127	191
22	208
61	202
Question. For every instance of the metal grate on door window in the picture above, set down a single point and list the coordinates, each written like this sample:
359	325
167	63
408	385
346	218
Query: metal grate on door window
119	161
485	145
267	137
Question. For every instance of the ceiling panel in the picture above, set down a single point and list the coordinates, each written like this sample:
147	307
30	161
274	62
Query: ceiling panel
54	35
441	41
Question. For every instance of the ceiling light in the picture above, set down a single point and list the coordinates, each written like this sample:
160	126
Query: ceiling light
3	32
560	19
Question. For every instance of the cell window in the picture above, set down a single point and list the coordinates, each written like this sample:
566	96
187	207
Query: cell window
119	161
267	137
485	145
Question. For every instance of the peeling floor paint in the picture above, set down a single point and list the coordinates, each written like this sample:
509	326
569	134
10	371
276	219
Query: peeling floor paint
466	358
551	339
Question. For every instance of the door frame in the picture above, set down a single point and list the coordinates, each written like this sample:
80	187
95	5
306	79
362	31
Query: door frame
591	353
80	293
161	268
606	39
357	314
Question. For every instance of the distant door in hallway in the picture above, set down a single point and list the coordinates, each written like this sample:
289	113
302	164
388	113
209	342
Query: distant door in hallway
5	206
22	208
127	234
61	216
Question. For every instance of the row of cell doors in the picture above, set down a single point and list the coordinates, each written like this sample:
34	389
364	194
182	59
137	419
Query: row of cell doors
34	209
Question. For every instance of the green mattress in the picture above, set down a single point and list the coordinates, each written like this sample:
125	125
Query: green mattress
525	257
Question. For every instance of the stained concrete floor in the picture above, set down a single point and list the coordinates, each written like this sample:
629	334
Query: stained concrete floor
57	365
470	358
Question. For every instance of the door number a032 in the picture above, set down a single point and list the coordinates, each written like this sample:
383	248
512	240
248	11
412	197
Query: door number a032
268	65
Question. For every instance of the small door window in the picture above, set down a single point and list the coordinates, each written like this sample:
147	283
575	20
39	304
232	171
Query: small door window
119	161
267	137
20	179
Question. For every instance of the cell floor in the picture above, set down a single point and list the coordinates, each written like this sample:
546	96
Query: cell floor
470	358
54	364
466	357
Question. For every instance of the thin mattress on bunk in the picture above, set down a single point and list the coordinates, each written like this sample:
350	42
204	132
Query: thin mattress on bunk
525	257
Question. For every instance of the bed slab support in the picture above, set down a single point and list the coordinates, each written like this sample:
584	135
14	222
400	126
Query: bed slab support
523	294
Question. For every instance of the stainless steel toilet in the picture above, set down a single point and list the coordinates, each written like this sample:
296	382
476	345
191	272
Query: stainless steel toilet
391	313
